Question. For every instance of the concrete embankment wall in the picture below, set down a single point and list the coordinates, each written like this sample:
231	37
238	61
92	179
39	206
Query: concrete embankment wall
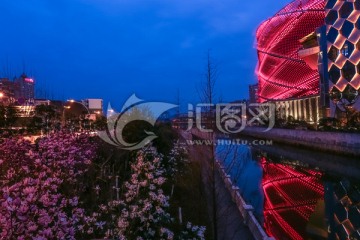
246	210
342	143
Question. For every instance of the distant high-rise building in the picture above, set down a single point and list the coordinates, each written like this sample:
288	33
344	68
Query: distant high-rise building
253	93
24	88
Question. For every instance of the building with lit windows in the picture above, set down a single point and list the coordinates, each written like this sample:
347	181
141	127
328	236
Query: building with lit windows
19	90
24	90
253	93
7	88
309	56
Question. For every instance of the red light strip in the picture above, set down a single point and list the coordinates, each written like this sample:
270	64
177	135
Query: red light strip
281	201
281	73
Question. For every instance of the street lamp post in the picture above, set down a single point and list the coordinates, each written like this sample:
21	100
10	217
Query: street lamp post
63	115
78	102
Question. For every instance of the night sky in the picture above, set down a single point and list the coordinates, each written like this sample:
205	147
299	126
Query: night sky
111	49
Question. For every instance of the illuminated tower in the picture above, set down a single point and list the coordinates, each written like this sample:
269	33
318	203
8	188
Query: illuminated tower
24	88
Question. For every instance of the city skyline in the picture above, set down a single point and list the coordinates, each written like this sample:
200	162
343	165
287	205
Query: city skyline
150	49
180	120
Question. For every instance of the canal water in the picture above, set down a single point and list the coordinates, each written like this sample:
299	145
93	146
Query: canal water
296	193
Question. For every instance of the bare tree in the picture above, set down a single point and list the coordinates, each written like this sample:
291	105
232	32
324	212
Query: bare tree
227	222
207	96
206	92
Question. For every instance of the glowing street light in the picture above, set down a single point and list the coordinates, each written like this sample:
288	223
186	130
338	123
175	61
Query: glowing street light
73	101
87	109
1	95
63	115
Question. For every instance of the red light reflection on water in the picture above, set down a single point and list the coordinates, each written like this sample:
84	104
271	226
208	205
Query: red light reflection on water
291	194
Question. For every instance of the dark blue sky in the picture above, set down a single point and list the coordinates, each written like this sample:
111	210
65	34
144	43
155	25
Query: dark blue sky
111	49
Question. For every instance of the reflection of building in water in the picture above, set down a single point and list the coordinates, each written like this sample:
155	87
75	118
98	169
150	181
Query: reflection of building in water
343	203
295	201
291	195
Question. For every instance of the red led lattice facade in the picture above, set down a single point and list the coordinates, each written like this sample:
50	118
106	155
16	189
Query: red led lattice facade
281	72
287	211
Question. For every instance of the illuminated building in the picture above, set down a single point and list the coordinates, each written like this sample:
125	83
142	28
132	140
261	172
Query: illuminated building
343	50
24	89
308	57
253	93
181	121
6	91
20	89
